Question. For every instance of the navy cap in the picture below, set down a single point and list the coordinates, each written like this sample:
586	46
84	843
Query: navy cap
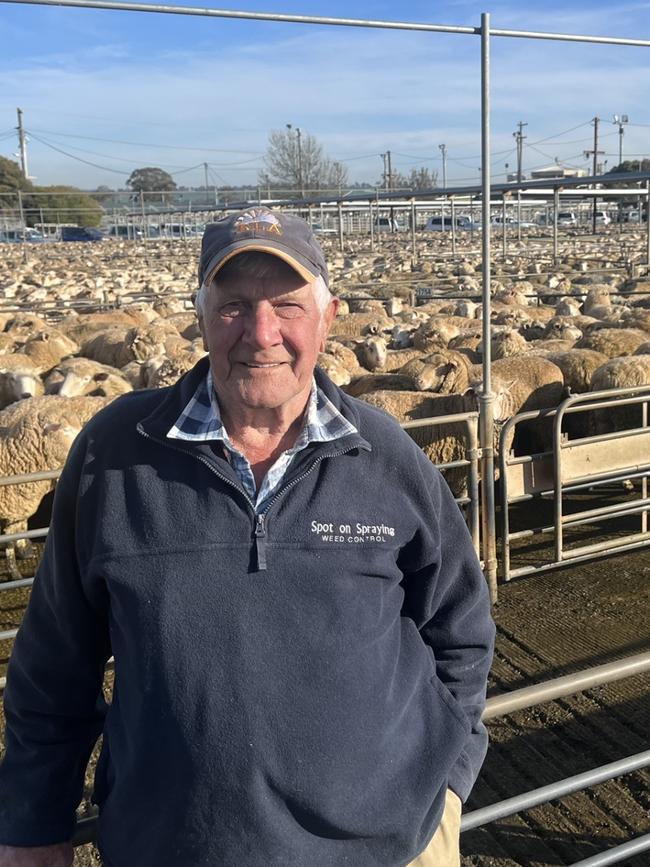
262	230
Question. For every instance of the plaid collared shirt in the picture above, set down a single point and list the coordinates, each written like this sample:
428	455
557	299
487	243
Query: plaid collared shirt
201	421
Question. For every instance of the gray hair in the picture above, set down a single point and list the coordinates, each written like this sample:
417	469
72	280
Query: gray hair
258	266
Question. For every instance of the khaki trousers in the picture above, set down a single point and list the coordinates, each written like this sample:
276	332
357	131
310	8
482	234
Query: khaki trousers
444	848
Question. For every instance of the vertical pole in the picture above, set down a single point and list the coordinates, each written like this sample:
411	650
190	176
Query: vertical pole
519	216
22	142
22	223
301	178
556	208
142	214
378	218
647	225
340	226
390	171
372	226
413	250
486	398
504	232
595	172
453	227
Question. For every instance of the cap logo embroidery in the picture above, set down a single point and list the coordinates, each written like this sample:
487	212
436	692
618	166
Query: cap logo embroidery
258	220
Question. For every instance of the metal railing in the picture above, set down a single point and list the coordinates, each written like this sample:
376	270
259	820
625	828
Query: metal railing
573	466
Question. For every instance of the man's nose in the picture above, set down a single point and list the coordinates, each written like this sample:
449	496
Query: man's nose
262	327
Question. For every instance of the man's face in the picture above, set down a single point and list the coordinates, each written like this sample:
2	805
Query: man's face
263	336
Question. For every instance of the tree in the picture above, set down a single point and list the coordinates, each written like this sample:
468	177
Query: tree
417	179
61	204
12	178
103	194
150	180
296	161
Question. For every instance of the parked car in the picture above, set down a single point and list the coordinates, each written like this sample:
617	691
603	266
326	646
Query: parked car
127	232
388	224
16	236
603	218
566	218
81	233
443	224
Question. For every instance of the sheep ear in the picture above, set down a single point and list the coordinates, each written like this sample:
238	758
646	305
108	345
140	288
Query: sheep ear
100	377
51	427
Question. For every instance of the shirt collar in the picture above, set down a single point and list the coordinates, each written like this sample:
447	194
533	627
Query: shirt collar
201	420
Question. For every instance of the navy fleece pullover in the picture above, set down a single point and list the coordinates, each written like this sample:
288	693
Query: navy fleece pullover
296	691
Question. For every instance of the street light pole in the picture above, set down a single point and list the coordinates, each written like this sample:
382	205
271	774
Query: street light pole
620	120
443	149
301	184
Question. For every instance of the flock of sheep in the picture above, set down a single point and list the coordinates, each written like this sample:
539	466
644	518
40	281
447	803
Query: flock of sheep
555	331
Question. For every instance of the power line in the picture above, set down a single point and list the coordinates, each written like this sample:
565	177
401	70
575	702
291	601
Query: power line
79	159
149	144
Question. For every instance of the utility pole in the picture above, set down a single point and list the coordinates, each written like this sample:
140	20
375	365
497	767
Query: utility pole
620	120
205	169
595	152
383	157
443	149
390	171
22	143
519	136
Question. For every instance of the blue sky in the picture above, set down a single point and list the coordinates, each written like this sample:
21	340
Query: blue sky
124	90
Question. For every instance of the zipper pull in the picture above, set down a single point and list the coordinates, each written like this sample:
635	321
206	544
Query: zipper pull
260	542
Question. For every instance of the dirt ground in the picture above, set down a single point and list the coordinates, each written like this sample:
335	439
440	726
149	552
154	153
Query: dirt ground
548	625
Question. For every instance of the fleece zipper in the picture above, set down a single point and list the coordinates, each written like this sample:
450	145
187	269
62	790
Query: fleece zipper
260	534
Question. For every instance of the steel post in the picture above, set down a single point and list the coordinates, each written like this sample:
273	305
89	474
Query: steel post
504	233
486	398
647	225
453	227
340	226
556	208
372	227
413	218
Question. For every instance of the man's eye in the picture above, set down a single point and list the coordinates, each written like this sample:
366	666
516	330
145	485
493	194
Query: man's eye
288	310
232	309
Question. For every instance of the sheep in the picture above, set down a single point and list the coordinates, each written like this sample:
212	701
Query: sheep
334	368
24	325
441	443
354	324
562	328
372	352
19	379
172	366
612	342
47	348
577	366
79	376
36	435
372	382
7	343
624	372
444	372
118	346
507	343
521	384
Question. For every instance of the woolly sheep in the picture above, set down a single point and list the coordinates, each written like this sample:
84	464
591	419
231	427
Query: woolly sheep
441	443
47	348
80	376
612	342
36	435
19	379
578	366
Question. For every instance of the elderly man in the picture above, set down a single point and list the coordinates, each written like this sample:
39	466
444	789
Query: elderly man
300	627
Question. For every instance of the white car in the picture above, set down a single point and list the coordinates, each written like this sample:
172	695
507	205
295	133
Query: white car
566	218
603	218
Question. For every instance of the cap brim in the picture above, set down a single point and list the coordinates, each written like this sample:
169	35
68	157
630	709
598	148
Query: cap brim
255	245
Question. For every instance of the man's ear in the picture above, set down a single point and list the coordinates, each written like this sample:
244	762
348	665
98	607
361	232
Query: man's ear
202	330
329	316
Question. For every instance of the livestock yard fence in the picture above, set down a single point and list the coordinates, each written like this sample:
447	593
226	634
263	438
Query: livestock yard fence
520	478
